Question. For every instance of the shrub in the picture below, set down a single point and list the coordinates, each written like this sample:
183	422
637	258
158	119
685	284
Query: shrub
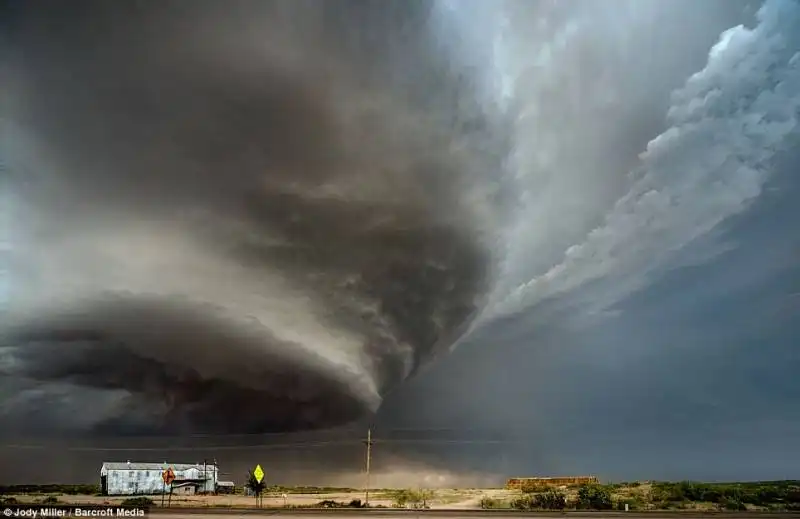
551	500
713	493
50	500
524	502
412	498
594	497
764	496
138	501
328	503
733	505
488	503
356	503
253	484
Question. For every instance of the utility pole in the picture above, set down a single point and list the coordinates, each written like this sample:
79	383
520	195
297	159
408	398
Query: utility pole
369	459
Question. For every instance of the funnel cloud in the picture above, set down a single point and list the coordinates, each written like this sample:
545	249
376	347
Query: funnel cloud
235	216
512	235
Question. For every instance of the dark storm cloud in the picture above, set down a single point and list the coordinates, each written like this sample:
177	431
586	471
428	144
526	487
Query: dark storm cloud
221	207
658	340
639	323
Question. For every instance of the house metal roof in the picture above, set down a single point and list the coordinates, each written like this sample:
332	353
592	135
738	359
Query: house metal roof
124	465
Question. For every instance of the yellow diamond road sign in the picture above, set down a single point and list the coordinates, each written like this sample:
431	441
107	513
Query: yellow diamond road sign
258	473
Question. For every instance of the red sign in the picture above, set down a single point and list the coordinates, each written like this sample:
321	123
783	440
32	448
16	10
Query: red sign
168	476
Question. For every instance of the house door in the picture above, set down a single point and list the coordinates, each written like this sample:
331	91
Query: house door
104	485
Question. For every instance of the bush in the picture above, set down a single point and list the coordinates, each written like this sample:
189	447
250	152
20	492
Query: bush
551	500
685	491
775	495
254	485
137	501
594	497
412	498
633	502
524	502
356	503
488	503
8	500
733	505
50	500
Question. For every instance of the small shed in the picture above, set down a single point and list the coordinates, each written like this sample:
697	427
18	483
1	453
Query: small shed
185	488
225	487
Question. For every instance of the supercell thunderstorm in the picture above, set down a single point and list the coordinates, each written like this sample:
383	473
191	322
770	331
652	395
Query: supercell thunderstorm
263	216
247	227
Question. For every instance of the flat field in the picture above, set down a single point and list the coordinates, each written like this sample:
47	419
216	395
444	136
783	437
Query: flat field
772	496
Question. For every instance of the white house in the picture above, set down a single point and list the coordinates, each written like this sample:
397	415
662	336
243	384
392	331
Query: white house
130	478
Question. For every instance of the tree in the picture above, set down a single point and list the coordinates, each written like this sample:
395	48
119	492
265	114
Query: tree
413	498
255	486
551	500
594	497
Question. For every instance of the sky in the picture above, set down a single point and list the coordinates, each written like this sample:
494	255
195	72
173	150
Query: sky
663	344
524	238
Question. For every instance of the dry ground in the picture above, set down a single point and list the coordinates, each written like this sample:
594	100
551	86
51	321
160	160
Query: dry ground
443	498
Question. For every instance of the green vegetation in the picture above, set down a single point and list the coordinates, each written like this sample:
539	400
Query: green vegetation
547	500
490	503
254	485
411	498
770	495
277	489
137	501
686	495
595	497
329	503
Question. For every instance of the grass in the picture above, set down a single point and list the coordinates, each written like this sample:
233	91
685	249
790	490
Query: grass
659	495
647	495
137	501
765	495
311	490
